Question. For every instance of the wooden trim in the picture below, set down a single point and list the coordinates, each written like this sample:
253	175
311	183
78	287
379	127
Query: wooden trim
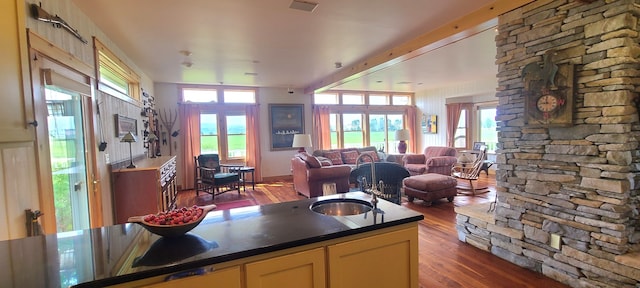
463	27
47	48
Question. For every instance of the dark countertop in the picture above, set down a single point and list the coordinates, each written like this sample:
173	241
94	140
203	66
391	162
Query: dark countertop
99	257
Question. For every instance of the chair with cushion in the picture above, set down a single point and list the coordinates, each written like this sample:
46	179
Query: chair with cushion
391	175
210	178
434	159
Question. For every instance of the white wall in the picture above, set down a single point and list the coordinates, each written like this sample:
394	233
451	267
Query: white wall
433	101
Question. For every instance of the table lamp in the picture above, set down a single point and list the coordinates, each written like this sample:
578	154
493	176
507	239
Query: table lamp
302	141
129	138
402	135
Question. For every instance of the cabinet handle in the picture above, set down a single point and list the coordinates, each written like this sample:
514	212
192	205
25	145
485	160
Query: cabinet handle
33	123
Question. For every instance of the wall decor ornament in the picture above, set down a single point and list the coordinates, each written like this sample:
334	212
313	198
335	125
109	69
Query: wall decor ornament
285	120
548	92
124	125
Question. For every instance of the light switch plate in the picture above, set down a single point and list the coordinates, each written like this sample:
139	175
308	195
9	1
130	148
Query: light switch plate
555	241
106	158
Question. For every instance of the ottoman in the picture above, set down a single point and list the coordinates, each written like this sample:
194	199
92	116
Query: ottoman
429	187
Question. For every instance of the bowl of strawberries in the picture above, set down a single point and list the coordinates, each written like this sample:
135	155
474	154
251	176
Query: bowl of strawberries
174	222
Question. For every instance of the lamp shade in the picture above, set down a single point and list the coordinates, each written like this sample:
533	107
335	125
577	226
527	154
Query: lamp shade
152	137
403	135
301	141
129	137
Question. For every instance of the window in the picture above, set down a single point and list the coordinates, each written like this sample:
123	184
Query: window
487	122
364	119
223	126
239	96
237	136
352	99
352	130
209	134
199	95
460	138
382	129
114	76
325	98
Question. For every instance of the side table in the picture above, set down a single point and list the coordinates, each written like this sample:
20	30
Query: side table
242	172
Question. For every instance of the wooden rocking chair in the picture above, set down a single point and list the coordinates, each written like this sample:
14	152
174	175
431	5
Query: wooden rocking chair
470	171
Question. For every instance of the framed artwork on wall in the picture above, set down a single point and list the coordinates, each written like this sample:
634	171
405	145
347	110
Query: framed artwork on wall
124	125
285	120
429	124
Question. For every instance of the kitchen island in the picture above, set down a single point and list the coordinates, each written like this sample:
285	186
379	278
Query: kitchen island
234	248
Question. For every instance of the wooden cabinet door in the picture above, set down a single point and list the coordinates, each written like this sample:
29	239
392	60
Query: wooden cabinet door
386	260
227	278
301	270
16	109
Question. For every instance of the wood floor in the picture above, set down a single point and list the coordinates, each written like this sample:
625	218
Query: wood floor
444	260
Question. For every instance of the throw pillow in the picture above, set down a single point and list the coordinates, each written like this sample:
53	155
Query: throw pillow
324	161
334	156
312	162
349	157
374	155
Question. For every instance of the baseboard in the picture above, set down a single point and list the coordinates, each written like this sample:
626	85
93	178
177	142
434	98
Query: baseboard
283	178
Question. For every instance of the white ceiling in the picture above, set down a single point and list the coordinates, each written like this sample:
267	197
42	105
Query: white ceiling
291	48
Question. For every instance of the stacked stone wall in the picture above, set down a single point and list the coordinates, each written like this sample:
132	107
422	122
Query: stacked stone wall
579	182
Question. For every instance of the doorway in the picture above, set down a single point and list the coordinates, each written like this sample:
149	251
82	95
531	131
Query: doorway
63	108
65	127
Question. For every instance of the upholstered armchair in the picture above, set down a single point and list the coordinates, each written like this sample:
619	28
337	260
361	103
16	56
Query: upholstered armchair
434	159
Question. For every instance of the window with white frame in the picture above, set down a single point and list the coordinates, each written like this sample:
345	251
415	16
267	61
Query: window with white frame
359	119
487	127
223	120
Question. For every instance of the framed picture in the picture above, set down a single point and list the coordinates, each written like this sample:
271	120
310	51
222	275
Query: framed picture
477	145
285	120
429	124
124	125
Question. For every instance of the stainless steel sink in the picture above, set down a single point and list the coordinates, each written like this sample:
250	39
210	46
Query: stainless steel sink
341	207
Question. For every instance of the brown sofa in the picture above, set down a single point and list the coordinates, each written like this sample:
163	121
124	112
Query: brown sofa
309	175
347	156
434	159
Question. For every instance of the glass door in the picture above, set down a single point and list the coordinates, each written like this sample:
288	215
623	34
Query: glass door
68	163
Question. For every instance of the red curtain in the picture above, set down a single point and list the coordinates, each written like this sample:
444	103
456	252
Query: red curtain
453	116
411	125
321	128
253	140
190	124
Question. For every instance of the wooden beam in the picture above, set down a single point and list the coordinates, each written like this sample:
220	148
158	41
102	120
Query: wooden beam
458	29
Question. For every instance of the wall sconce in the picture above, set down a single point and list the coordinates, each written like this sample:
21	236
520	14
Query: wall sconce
129	138
302	141
402	135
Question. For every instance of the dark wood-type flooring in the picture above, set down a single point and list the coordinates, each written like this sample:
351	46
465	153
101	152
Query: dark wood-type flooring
444	260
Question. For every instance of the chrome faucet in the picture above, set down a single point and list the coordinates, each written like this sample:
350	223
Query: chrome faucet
374	188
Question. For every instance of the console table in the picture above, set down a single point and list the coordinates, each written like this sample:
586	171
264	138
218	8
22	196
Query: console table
148	188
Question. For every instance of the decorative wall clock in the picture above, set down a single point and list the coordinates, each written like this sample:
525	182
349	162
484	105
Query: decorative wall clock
548	92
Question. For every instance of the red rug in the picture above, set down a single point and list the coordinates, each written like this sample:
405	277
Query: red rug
234	204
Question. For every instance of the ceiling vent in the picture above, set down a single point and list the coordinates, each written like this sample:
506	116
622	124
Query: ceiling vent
303	5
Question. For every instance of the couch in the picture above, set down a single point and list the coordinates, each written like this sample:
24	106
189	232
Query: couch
434	159
309	175
347	156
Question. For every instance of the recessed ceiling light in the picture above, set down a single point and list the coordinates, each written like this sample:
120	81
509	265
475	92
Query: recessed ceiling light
186	52
404	82
187	64
250	73
303	5
379	81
